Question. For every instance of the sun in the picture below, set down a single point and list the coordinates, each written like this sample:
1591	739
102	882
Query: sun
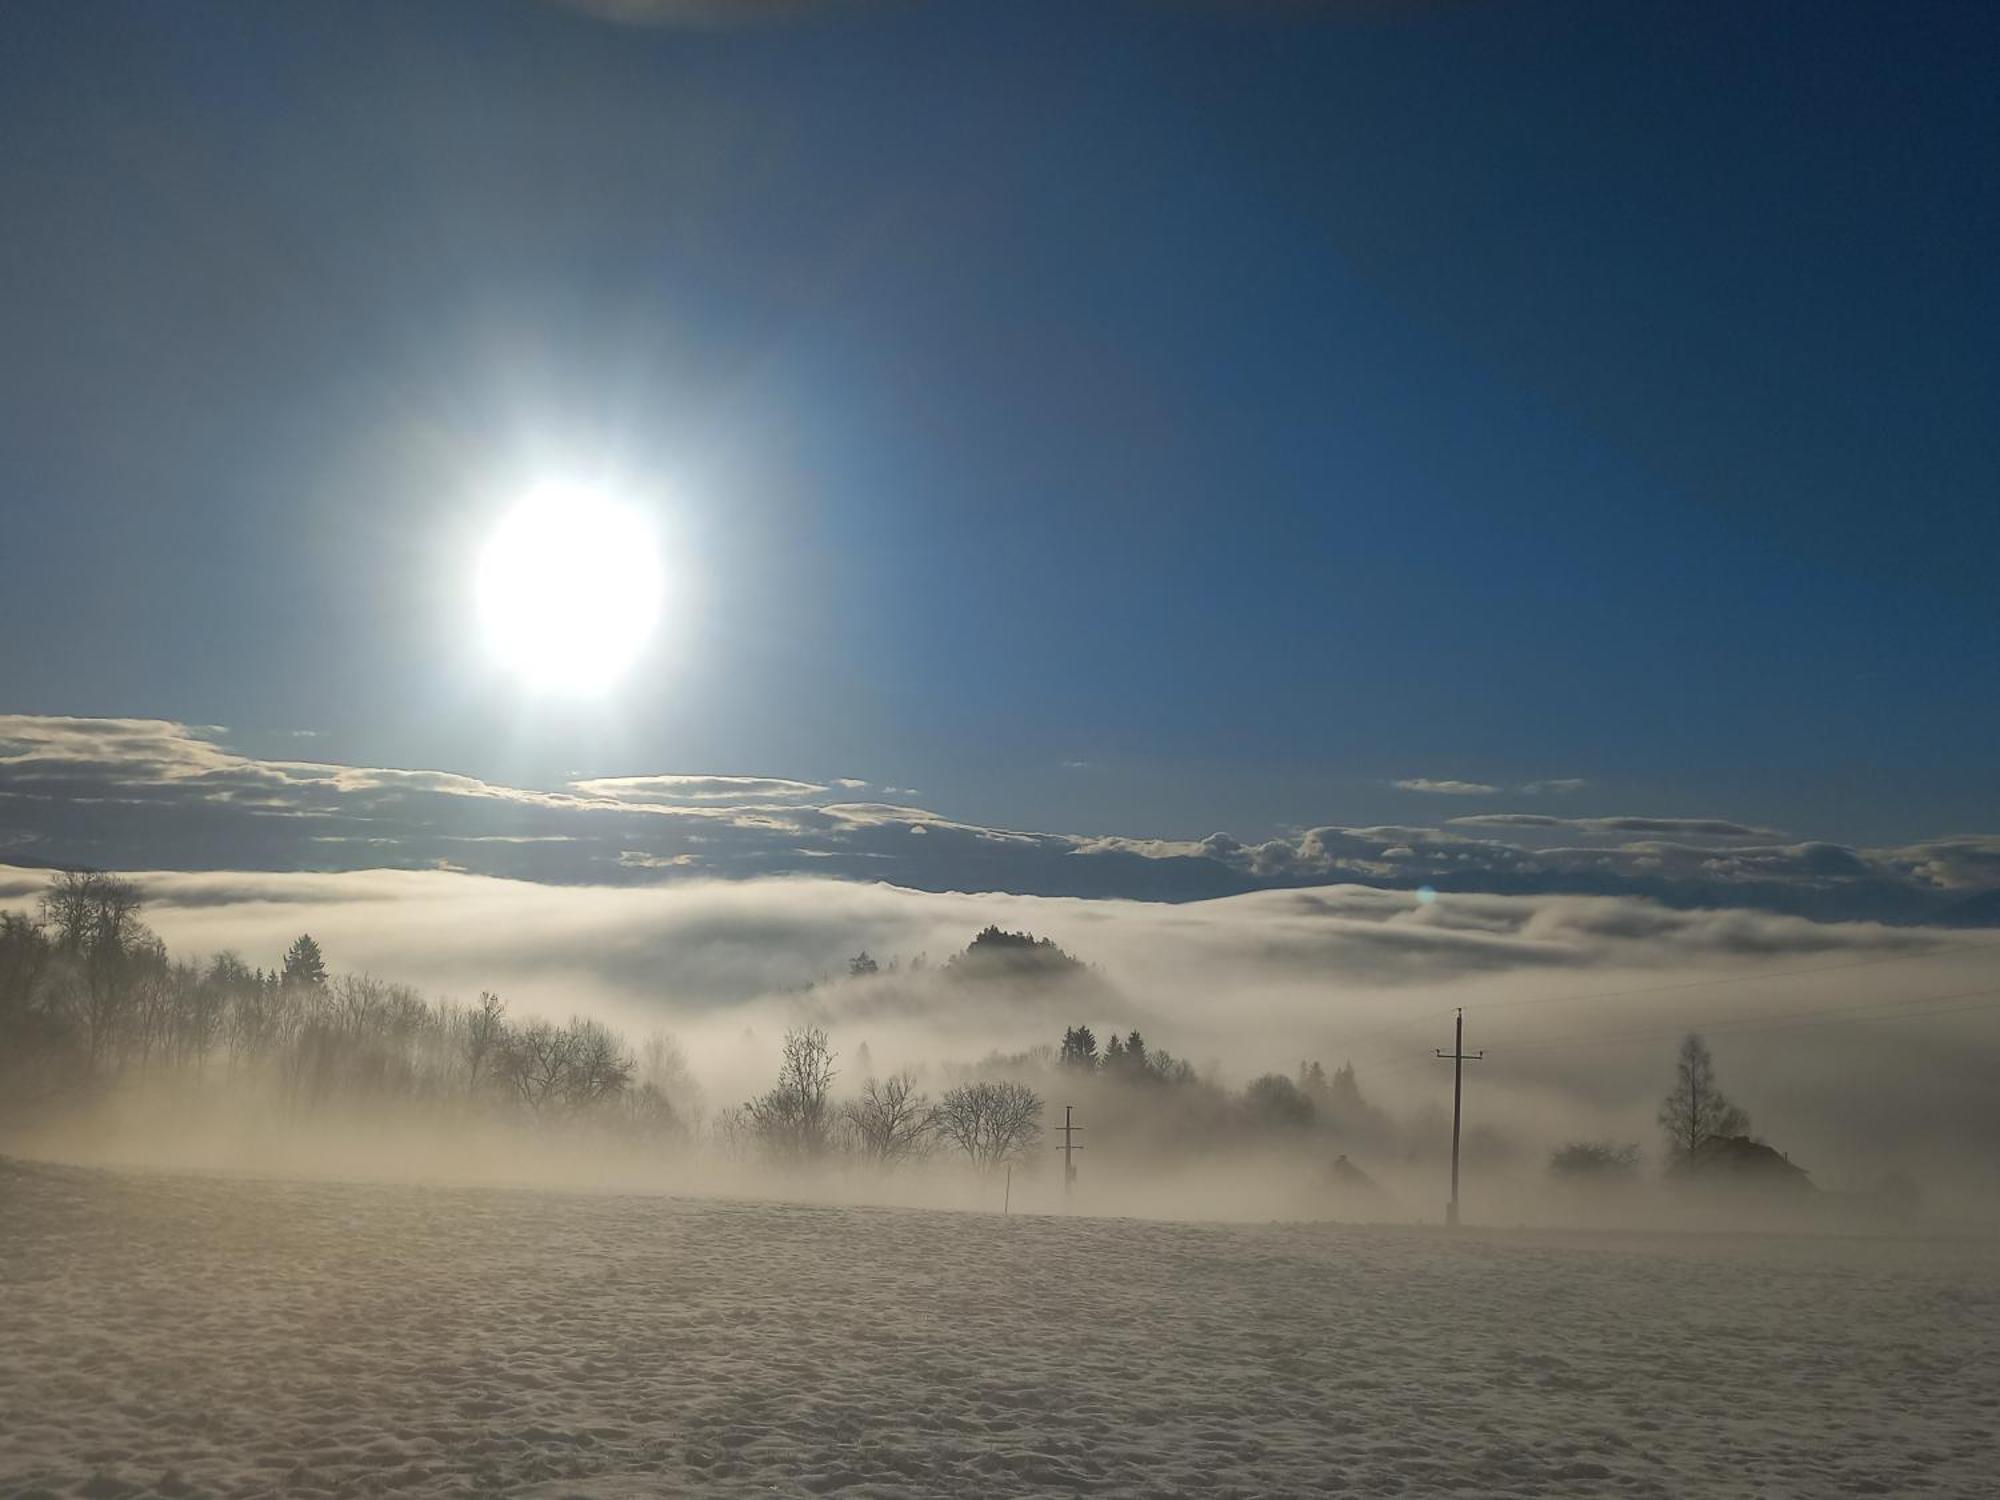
570	586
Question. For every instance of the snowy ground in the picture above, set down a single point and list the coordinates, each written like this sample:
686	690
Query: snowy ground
176	1334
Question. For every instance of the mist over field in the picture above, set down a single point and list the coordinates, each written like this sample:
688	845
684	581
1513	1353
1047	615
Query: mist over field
1862	1051
734	1187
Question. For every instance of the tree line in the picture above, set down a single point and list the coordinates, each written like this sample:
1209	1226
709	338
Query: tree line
1704	1132
891	1121
89	997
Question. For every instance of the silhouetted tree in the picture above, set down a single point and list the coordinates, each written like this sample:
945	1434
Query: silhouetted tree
93	920
85	911
485	1037
794	1121
37	1055
599	1068
1079	1049
991	1121
1126	1057
861	965
1130	1060
1016	955
733	1133
1274	1102
557	1070
25	956
305	967
537	1058
663	1067
1695	1108
891	1120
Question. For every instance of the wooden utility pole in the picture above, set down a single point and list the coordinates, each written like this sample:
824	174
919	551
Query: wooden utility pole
1069	1150
1459	1058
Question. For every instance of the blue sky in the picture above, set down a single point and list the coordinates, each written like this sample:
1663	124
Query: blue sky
1139	419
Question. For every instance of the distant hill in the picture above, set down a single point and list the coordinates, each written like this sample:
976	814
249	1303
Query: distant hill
997	954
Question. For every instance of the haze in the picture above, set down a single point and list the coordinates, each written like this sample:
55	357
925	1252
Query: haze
1008	747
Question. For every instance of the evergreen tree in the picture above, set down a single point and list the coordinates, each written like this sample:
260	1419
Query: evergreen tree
304	966
1346	1090
1079	1048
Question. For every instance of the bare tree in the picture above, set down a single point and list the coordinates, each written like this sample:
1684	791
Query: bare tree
485	1037
990	1122
85	909
36	1051
536	1064
891	1121
599	1068
94	921
732	1134
663	1067
25	952
556	1070
1695	1109
794	1121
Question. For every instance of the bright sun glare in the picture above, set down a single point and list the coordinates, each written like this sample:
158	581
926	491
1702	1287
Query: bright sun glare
570	585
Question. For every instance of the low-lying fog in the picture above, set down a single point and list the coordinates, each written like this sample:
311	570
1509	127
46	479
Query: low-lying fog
1864	1053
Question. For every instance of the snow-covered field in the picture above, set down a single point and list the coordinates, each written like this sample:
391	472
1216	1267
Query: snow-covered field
184	1334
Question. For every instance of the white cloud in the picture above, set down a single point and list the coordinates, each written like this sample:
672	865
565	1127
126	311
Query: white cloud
128	793
700	788
1554	786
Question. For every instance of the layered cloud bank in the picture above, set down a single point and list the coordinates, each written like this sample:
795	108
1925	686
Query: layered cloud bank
151	794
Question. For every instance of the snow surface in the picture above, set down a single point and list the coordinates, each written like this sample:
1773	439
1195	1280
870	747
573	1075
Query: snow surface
183	1334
